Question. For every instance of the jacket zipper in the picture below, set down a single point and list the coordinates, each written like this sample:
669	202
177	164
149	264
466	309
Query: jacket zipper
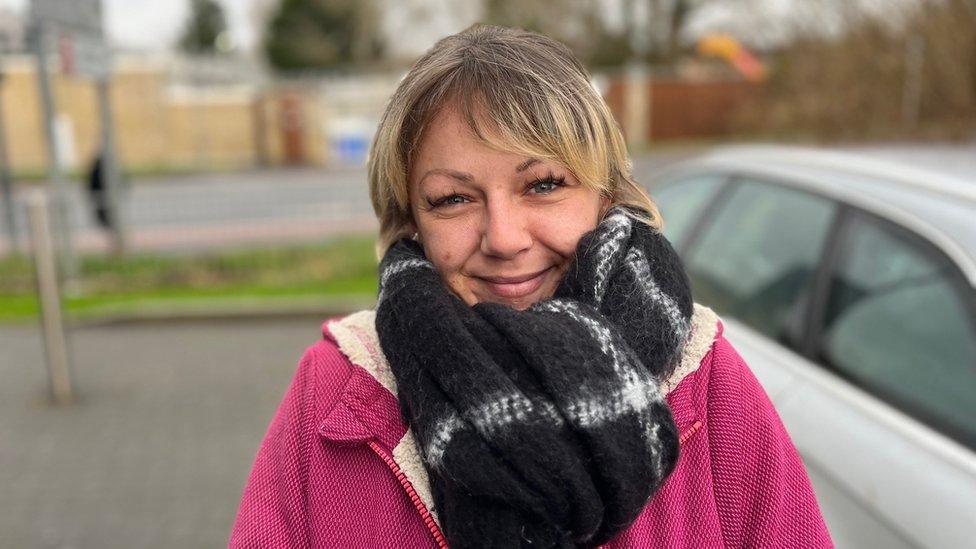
422	509
691	430
417	502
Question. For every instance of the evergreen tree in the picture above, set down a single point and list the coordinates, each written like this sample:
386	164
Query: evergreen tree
203	27
322	34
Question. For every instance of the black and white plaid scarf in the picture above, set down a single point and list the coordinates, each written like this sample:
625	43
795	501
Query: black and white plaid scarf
542	427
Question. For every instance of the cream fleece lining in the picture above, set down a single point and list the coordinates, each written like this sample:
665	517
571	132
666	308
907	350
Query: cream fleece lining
357	339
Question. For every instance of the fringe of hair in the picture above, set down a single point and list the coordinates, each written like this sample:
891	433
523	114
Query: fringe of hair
520	92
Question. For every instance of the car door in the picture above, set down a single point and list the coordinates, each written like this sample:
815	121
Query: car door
895	446
684	201
759	255
752	256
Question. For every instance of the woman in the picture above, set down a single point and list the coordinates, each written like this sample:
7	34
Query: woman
536	373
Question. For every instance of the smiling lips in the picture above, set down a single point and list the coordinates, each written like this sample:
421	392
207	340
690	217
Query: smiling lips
515	286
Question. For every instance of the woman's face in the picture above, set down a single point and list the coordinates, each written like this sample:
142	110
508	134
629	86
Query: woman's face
498	226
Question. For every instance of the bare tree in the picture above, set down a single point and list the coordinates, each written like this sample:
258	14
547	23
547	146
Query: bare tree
884	68
668	20
582	26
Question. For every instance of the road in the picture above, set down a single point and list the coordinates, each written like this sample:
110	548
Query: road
292	205
219	210
216	210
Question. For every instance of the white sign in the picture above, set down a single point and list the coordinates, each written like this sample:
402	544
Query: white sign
73	29
77	15
82	54
64	141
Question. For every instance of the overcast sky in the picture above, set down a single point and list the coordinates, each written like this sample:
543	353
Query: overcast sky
155	24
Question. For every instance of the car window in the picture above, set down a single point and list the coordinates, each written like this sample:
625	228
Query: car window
897	324
756	259
682	203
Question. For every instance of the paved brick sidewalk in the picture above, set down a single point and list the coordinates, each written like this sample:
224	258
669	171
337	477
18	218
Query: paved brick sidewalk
157	451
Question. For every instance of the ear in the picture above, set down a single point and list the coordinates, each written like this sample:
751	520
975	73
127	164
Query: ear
410	227
411	230
605	203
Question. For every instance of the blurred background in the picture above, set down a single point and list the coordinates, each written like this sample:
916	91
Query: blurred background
184	200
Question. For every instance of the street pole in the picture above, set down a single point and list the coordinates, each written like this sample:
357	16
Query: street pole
638	77
110	166
911	96
52	322
55	171
636	105
6	180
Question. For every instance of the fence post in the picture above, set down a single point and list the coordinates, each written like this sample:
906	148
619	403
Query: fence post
911	96
637	106
49	293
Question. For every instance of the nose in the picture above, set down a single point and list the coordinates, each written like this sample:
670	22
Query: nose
506	231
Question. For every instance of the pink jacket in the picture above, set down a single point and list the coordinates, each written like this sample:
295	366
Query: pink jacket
339	468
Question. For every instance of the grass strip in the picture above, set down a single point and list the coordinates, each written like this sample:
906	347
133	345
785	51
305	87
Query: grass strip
341	267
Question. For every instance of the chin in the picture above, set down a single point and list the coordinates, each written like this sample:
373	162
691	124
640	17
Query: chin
518	303
521	306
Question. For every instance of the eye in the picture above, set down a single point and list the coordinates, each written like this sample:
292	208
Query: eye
449	200
453	199
547	184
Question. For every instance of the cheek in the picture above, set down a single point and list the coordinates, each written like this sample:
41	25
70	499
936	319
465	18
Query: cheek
447	250
449	253
562	234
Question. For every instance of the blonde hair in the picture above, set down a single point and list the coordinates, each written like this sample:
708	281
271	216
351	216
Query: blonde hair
519	92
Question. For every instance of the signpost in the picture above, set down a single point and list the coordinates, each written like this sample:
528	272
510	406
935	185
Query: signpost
73	28
6	184
55	343
57	185
80	15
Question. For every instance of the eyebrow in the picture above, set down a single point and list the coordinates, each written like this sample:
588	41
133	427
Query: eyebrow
465	177
525	165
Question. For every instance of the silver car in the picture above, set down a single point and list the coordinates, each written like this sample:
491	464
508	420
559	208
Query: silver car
849	286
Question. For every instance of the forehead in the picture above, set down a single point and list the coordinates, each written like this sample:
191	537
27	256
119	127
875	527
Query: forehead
448	127
448	141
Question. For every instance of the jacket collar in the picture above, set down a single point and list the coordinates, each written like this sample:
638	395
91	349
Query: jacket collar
365	411
357	339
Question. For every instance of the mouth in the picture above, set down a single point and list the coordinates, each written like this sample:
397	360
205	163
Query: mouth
516	286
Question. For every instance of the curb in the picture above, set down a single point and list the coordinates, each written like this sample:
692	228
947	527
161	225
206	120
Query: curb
223	310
